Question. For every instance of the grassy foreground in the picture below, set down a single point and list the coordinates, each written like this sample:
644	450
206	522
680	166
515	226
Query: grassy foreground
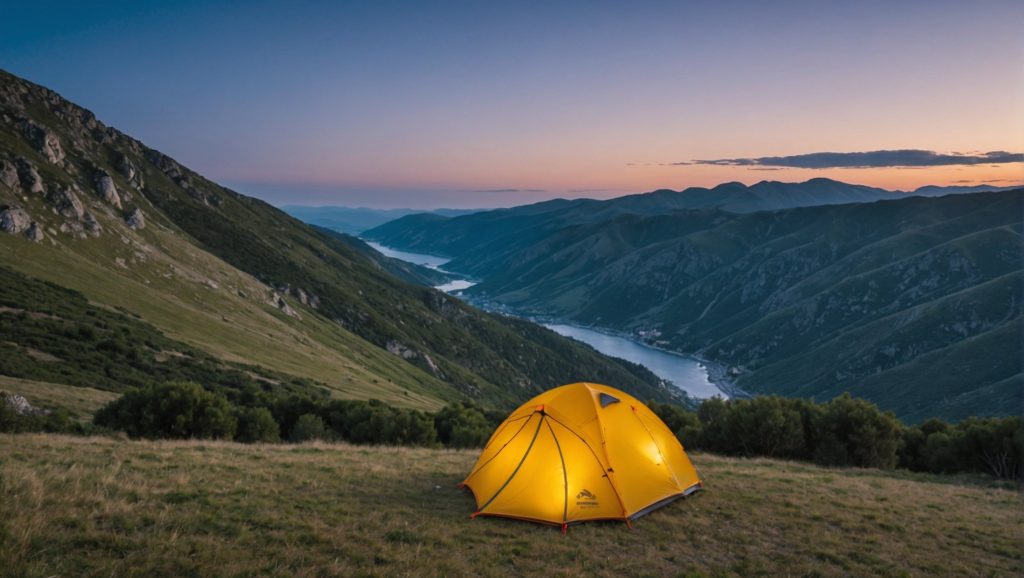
95	506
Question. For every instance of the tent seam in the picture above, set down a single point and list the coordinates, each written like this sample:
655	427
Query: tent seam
516	471
604	448
474	472
565	476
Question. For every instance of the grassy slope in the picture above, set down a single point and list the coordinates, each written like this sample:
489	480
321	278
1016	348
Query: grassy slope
167	293
93	507
81	402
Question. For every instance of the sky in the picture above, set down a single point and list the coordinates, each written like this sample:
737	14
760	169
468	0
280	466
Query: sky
483	104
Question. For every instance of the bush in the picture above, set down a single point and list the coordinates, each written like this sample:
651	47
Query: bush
256	424
461	425
308	427
176	410
993	446
854	432
767	426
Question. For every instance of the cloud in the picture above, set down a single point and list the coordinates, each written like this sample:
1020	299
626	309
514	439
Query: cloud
871	159
511	191
580	191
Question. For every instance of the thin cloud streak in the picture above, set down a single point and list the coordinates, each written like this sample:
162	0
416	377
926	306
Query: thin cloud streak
870	159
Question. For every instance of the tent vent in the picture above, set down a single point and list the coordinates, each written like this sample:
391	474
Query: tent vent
607	400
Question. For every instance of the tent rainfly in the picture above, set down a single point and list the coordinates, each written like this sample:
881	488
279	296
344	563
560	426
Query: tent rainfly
580	452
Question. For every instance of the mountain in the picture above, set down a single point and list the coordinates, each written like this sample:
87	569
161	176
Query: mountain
483	233
113	246
913	303
356	220
934	191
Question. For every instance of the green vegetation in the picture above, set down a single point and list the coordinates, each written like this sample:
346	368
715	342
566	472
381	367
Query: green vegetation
171	411
100	507
848	432
55	335
187	411
843	432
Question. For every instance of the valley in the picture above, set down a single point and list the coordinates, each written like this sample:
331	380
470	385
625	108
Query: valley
686	373
912	302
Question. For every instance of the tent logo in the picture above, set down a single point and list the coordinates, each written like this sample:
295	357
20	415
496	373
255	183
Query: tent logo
586	499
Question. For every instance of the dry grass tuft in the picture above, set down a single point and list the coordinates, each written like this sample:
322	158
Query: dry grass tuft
100	507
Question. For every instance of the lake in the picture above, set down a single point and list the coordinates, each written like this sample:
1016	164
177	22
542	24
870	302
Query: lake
684	372
431	261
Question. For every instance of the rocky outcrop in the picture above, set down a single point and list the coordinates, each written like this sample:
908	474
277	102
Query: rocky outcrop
19	404
136	220
9	175
400	350
34	232
14	220
126	167
44	140
277	301
29	176
92	226
131	173
67	203
106	188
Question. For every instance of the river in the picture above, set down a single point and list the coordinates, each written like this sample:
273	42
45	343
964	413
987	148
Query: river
686	373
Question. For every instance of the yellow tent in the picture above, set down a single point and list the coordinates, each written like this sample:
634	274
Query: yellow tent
580	452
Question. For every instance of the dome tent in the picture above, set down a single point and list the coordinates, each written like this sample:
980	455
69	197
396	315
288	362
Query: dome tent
580	452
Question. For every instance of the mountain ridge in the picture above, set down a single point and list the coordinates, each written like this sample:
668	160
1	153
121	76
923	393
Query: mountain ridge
89	208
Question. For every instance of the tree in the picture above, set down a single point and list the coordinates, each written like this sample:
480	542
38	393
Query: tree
308	427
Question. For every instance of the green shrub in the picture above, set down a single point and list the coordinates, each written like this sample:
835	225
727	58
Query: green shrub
854	432
176	410
256	424
461	425
307	428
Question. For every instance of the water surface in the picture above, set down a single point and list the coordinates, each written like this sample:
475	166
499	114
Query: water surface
684	372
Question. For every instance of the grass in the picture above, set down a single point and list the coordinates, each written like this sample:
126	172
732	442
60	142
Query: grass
80	402
97	506
223	323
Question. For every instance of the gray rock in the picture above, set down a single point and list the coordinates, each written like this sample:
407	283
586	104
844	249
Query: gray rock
92	226
35	232
107	190
45	140
400	350
279	302
66	201
30	179
19	404
14	220
126	167
136	220
9	174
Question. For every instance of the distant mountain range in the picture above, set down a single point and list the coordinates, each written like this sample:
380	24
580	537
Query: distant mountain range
911	301
356	220
121	265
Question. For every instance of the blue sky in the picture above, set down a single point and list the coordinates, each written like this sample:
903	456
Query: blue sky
431	104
